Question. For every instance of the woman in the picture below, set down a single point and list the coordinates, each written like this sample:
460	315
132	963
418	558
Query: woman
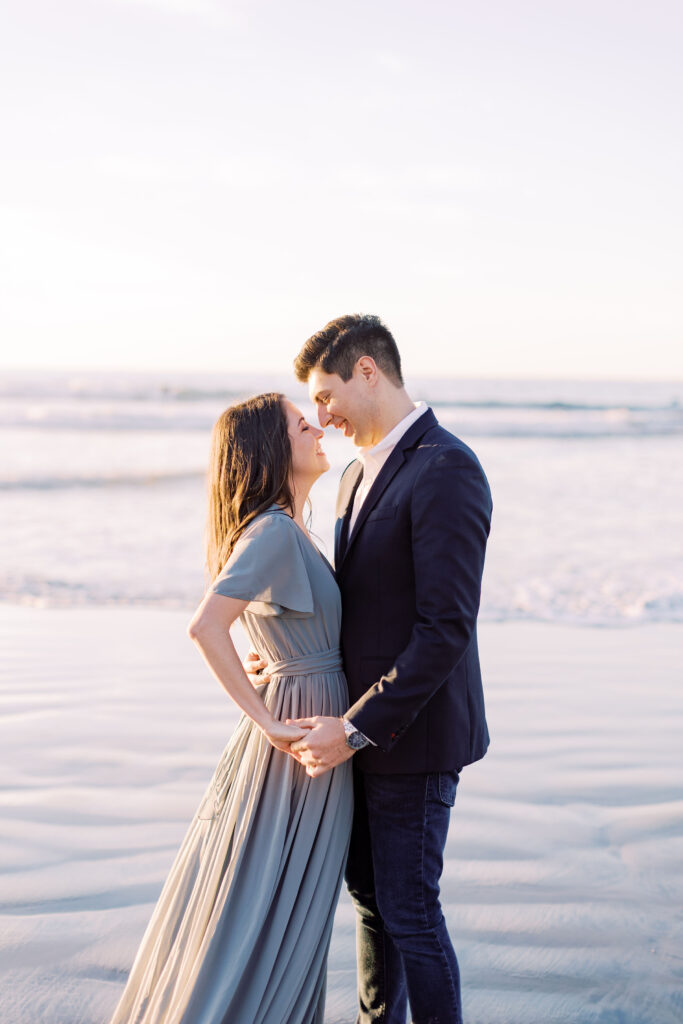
241	930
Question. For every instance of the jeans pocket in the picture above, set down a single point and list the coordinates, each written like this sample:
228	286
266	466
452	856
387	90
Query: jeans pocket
447	785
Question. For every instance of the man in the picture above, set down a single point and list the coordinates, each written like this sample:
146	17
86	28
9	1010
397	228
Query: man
413	517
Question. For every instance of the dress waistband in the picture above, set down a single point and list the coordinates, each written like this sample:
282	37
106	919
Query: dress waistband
307	664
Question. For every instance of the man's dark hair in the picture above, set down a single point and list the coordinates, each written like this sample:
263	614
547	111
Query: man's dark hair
339	346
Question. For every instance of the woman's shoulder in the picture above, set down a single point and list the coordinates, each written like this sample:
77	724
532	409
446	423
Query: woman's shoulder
273	522
267	559
269	531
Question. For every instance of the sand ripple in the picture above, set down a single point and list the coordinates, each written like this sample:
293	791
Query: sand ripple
562	883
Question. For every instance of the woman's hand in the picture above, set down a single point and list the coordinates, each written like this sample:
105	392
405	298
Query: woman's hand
281	735
252	665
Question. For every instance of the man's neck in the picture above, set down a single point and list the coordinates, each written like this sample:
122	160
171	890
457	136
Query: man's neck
391	414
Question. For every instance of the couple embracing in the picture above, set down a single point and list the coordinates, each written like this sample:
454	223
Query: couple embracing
362	703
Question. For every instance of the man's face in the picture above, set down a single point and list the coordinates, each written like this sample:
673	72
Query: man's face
346	405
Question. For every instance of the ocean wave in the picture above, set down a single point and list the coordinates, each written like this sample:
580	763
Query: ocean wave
88	388
45	417
673	406
57	483
190	403
63	594
155	393
558	608
164	396
571	603
529	421
659	612
492	393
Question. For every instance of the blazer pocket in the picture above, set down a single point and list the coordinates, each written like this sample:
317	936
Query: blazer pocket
384	512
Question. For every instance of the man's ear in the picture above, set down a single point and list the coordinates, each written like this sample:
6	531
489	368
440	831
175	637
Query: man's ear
367	368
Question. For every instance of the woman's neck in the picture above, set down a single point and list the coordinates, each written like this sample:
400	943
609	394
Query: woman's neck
300	492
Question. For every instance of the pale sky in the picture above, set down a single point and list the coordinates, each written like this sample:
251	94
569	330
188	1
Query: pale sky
201	184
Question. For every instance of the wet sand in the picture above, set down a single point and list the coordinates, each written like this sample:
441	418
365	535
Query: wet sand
562	885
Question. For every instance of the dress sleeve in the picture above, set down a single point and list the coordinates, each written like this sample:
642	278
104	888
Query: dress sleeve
267	568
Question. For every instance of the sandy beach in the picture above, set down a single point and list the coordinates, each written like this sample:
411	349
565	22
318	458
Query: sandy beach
562	885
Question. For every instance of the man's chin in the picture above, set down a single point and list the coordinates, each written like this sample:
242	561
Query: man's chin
346	428
359	440
350	432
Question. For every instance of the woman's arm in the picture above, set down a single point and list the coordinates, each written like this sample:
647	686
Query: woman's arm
210	631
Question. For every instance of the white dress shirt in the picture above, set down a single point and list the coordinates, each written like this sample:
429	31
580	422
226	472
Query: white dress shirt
374	458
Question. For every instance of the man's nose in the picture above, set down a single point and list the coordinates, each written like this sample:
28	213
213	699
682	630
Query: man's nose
324	418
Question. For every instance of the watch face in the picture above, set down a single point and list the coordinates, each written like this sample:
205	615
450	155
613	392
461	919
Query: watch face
356	741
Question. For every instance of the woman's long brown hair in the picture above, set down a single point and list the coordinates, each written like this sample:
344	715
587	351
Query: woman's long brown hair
250	469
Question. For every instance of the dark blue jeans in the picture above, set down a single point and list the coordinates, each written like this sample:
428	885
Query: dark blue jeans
395	862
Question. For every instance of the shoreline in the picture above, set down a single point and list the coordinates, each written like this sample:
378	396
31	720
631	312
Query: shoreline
562	863
127	607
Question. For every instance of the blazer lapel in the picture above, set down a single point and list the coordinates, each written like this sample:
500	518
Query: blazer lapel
383	479
347	492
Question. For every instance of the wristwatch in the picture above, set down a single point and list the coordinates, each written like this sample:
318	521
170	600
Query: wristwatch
354	739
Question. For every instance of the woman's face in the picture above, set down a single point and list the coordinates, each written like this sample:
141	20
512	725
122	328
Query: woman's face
308	459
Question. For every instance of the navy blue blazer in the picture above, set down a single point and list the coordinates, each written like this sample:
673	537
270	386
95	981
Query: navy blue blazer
410	578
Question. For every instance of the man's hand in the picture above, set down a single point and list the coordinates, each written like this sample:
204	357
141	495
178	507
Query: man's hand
252	665
324	745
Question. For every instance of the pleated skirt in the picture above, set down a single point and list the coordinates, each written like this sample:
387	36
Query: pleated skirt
241	931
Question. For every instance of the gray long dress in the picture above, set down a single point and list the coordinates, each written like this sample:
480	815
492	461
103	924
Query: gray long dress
241	931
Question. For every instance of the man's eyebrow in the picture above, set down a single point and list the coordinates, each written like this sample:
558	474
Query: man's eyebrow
318	396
